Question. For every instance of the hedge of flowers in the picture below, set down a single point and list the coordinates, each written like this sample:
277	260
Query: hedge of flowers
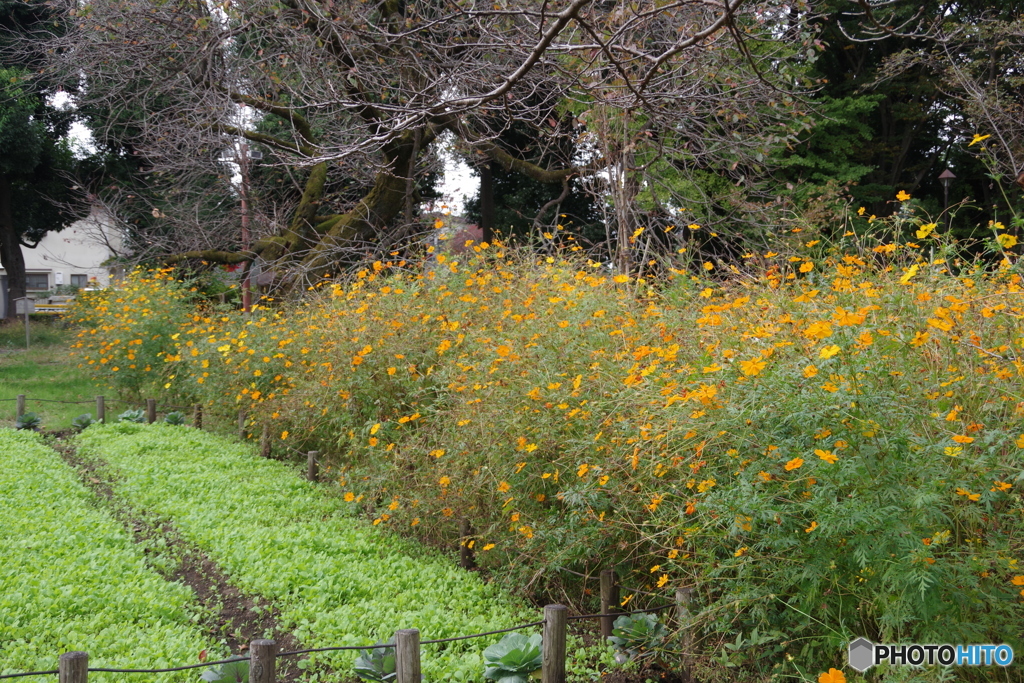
826	444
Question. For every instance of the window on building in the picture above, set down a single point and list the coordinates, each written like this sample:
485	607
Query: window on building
79	280
37	281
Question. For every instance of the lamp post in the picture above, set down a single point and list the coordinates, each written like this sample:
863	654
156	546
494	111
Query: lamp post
946	178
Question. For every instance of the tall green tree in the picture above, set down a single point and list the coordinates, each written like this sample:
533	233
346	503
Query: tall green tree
34	152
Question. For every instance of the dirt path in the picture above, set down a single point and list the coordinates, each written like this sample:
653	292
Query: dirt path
236	617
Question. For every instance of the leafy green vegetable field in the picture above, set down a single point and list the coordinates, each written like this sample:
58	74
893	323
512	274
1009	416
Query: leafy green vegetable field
72	579
335	580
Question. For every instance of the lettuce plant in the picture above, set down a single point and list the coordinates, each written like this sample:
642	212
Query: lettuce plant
377	665
82	422
235	671
136	415
513	659
638	635
28	421
176	418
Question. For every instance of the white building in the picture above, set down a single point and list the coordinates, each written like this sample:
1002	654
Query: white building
77	255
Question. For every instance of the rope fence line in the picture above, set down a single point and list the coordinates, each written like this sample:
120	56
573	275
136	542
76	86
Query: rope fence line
543	622
49	400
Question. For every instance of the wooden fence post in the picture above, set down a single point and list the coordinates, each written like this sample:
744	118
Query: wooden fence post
553	657
407	655
265	442
150	410
313	466
609	601
197	416
263	661
241	425
101	410
21	405
73	667
466	558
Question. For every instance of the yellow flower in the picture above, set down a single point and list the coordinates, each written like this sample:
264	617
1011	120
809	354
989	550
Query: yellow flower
909	274
740	552
978	138
959	438
829	351
582	470
832	676
488	546
444	481
621	279
795	463
810	371
753	367
1017	580
818	330
662	580
812	527
284	434
827	456
902	196
708	265
925	230
1006	241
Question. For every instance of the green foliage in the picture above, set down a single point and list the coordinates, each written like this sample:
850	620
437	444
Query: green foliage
376	665
336	581
638	634
513	659
72	578
236	671
176	418
132	415
82	422
29	420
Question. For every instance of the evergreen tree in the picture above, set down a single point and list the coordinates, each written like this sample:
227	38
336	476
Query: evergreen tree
34	154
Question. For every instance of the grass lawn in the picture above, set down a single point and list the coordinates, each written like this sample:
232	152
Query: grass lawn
43	371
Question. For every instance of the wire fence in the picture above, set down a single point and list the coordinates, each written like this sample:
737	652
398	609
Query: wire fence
293	653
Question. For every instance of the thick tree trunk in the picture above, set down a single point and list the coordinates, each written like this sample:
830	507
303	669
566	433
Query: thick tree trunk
383	203
11	258
301	228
